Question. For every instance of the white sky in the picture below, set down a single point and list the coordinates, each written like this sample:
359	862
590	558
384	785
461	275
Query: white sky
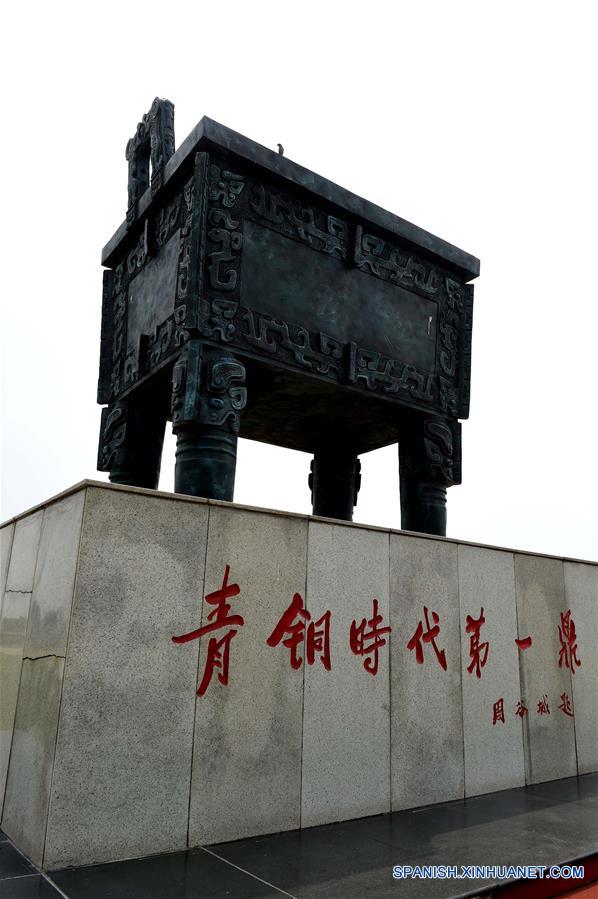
476	121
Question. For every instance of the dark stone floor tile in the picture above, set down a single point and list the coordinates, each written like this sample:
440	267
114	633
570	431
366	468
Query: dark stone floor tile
12	863
328	859
375	883
571	789
338	865
549	824
425	830
511	827
32	886
182	875
546	836
419	832
380	884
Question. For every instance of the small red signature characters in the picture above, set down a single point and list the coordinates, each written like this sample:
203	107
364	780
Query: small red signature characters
543	708
568	638
565	705
218	655
364	642
498	711
521	709
317	639
478	652
428	637
524	643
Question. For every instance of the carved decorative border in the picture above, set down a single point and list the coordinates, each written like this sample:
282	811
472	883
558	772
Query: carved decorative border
209	391
319	230
464	373
450	326
120	370
388	262
442	448
318	352
106	338
224	236
113	433
379	372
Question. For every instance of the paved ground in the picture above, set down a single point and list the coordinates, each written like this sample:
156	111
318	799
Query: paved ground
548	824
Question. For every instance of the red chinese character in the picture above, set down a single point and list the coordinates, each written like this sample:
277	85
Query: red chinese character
317	639
429	637
568	637
498	711
218	650
521	709
543	706
478	652
358	637
524	643
565	705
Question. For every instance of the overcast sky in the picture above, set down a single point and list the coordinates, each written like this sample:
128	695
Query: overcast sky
476	121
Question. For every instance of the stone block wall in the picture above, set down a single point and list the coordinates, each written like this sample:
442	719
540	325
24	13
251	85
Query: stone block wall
107	751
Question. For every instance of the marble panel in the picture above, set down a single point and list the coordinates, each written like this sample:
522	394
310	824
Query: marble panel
581	596
346	722
123	759
247	752
426	698
493	742
548	730
13	626
31	762
25	543
6	536
54	580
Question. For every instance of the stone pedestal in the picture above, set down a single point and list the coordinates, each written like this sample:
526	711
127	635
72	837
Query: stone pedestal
108	752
